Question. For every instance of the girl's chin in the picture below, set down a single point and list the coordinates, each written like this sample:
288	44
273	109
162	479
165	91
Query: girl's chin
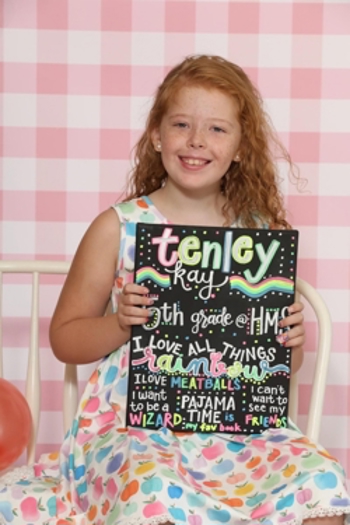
194	185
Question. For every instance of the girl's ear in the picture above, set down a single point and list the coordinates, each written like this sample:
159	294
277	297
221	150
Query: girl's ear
155	138
241	151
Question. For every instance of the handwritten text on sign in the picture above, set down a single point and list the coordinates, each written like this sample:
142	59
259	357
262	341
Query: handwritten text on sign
208	360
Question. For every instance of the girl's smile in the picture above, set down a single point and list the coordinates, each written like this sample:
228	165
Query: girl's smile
192	161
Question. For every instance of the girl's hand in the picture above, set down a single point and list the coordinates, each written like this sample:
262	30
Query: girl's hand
131	306
295	336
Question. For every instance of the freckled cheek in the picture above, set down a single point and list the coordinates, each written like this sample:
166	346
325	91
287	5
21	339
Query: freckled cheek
170	143
227	153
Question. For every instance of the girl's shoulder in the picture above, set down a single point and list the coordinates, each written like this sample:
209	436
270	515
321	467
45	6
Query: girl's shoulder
259	222
140	209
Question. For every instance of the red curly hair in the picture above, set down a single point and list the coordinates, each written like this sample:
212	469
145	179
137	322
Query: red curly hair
249	186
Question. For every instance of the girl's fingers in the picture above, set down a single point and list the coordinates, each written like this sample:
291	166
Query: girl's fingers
295	307
135	295
131	305
133	316
292	342
134	311
133	288
296	342
292	320
294	316
130	321
134	300
293	337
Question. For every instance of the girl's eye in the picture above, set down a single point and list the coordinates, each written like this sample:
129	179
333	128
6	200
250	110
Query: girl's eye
180	124
218	130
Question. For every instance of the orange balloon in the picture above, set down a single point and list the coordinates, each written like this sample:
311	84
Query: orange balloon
15	423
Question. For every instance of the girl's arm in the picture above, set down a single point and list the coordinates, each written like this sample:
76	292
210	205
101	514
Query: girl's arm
295	337
79	331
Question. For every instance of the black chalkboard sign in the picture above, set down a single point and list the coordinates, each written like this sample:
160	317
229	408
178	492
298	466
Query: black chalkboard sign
208	360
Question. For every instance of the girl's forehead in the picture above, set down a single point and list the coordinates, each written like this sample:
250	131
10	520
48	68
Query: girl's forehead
195	95
190	90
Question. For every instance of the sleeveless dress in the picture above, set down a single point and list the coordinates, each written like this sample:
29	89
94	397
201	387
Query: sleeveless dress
107	474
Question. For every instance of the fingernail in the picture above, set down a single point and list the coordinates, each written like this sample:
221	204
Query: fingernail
282	338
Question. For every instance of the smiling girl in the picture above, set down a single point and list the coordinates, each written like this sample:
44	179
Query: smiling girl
205	158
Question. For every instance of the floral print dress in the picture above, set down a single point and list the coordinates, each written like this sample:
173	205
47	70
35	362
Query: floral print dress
106	474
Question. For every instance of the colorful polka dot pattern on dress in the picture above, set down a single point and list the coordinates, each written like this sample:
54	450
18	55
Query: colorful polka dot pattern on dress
107	474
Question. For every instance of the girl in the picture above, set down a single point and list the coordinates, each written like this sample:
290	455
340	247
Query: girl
204	159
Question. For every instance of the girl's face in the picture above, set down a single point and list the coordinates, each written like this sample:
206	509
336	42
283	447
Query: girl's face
198	138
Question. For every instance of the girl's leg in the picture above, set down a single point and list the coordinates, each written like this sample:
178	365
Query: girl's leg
335	520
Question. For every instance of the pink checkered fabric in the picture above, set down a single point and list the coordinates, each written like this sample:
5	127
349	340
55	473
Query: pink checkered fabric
76	80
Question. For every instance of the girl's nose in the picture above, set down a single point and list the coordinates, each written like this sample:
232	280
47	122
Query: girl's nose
196	139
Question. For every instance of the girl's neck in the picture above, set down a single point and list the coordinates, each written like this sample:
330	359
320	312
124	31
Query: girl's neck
182	208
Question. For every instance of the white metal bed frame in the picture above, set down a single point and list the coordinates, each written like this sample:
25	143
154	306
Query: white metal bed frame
70	391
